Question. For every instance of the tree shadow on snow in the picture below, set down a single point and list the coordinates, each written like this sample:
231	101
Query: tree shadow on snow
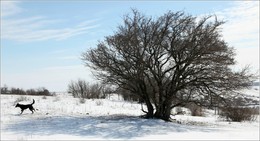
113	126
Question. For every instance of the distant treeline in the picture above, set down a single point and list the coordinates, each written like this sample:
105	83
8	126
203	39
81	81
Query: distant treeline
19	91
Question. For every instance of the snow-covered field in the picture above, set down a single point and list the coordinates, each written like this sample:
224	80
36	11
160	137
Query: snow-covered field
63	117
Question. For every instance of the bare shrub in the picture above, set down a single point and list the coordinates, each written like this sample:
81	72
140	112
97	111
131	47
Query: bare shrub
255	110
99	103
195	109
56	99
238	114
82	100
179	111
44	97
54	94
21	98
82	89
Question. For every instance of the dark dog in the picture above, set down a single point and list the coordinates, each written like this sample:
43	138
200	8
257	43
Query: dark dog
23	107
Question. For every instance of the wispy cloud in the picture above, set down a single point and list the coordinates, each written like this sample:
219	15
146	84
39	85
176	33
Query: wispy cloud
242	31
36	28
9	8
242	26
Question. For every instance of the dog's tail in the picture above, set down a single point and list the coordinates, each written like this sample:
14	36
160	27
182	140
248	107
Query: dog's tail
33	102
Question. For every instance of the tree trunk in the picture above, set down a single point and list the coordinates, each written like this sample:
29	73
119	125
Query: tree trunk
150	109
163	112
167	114
158	112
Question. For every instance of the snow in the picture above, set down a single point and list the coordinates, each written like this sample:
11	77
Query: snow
63	117
252	92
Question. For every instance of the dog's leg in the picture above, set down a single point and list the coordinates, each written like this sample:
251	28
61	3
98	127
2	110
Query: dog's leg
21	112
32	109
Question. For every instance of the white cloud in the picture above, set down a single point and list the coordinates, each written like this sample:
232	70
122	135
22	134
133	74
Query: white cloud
36	28
9	8
242	23
242	31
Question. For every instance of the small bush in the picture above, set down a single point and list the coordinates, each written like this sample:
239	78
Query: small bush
57	98
195	109
255	110
82	100
44	97
179	111
21	98
238	114
54	94
98	103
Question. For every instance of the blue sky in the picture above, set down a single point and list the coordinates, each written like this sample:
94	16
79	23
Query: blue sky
41	41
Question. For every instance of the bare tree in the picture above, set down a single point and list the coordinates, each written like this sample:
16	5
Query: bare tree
168	61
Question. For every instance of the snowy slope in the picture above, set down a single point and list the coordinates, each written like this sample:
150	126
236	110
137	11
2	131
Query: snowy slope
63	117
